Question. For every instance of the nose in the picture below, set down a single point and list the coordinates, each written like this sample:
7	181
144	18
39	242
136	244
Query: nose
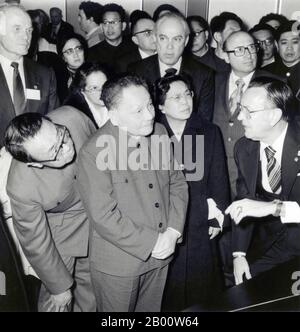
170	45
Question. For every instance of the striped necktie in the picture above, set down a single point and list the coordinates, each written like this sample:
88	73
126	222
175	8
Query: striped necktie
236	96
273	170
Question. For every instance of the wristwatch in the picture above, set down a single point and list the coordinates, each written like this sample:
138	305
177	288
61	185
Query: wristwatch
278	207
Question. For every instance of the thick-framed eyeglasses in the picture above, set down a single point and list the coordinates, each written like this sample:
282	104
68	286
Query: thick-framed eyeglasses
93	89
247	112
266	42
63	135
180	96
111	23
71	51
197	33
147	33
241	50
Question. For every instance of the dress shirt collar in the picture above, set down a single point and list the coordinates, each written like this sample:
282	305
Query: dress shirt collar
163	67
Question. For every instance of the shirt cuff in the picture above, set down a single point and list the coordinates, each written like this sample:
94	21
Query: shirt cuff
174	230
238	254
214	212
290	212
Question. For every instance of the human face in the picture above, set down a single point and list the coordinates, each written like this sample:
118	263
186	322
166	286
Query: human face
170	40
144	36
200	37
230	27
242	65
266	42
135	111
15	34
289	48
73	54
257	126
274	24
55	17
82	21
112	26
93	87
52	146
178	103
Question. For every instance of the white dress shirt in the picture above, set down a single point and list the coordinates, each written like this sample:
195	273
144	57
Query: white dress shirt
163	67
232	82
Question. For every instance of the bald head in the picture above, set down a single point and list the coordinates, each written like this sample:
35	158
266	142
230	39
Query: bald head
236	38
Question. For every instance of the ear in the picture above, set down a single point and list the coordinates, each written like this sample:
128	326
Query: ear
206	35
35	164
123	26
275	116
135	40
217	37
226	57
186	40
162	109
113	115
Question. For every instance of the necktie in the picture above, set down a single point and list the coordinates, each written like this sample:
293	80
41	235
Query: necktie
170	72
18	90
273	170
236	96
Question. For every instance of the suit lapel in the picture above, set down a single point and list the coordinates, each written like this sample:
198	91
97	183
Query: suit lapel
5	97
250	166
290	164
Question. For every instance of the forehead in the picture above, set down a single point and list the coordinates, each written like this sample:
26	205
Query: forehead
177	86
232	24
196	25
262	34
16	16
133	97
239	39
71	43
255	97
111	16
273	23
170	26
44	138
96	77
289	35
144	24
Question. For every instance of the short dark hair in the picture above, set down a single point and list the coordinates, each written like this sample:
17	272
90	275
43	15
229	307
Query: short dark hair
162	86
21	128
113	7
87	68
137	15
262	26
272	16
161	8
197	18
218	23
92	9
287	27
61	42
279	93
113	88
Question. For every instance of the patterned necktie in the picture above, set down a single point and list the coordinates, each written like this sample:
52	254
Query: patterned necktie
18	90
170	72
236	96
273	170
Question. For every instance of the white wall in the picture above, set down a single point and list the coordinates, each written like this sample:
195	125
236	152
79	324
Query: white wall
45	5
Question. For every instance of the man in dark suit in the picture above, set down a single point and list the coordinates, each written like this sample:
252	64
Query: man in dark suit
172	34
267	211
49	219
57	28
36	91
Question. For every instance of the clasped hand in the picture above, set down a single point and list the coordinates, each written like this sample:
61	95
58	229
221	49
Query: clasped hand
165	244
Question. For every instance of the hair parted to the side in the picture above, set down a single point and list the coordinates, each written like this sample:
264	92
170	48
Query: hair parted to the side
21	128
112	89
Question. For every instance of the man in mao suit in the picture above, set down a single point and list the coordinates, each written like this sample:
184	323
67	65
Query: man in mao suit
49	219
172	34
39	83
137	211
267	211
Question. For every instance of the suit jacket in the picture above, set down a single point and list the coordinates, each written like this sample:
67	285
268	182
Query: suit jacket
48	215
247	159
128	208
202	80
37	77
95	38
127	59
231	128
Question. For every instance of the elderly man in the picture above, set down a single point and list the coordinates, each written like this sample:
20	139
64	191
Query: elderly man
24	84
267	211
49	219
172	35
136	207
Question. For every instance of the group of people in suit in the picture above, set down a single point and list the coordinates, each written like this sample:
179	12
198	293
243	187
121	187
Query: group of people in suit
94	227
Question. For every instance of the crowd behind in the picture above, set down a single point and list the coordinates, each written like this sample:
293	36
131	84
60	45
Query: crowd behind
87	240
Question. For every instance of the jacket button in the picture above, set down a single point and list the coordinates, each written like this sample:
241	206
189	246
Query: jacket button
150	185
156	205
57	203
160	225
126	180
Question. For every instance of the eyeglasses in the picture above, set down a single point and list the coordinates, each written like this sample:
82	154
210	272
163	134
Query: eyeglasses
71	51
111	23
93	89
240	51
178	97
247	112
63	136
197	33
147	33
266	42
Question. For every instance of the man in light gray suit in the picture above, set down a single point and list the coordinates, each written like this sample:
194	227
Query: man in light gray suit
137	212
49	219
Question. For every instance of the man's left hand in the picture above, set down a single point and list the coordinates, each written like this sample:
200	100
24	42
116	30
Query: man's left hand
249	208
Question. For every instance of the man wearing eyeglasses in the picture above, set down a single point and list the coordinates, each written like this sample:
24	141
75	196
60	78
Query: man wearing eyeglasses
266	212
49	219
114	45
142	34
